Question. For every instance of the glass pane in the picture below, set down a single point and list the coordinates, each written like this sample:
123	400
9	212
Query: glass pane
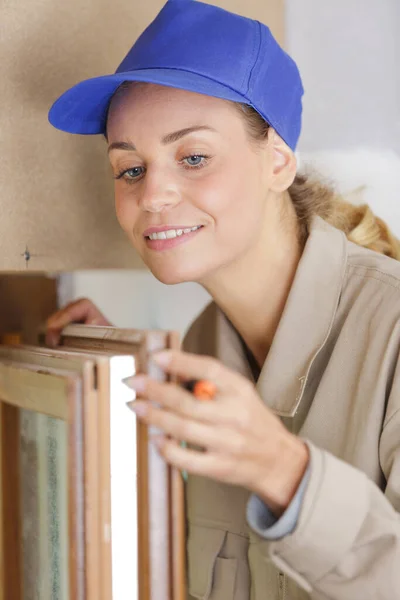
44	507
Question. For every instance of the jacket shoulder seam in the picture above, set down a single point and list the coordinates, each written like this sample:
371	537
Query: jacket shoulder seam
377	274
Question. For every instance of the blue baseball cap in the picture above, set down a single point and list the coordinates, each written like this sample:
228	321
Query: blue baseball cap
201	48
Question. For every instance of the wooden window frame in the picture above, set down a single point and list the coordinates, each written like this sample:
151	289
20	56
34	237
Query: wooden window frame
60	397
88	352
156	580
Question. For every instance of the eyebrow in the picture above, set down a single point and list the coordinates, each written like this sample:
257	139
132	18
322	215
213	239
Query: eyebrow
170	138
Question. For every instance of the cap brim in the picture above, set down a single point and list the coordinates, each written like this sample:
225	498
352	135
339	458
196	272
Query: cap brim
83	108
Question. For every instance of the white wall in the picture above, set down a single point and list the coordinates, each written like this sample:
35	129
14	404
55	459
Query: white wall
136	298
348	52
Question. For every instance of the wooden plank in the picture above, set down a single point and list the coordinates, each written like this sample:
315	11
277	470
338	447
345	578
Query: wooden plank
26	301
115	579
76	500
161	521
104	482
104	333
18	383
143	515
178	522
155	573
110	339
98	466
26	387
2	535
93	539
97	458
80	363
11	513
107	531
91	366
11	581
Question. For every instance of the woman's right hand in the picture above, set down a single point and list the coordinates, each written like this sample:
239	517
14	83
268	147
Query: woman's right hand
80	311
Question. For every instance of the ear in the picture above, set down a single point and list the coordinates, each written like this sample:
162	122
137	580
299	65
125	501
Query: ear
283	163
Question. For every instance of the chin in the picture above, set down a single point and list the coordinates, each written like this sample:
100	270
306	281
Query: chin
171	274
171	277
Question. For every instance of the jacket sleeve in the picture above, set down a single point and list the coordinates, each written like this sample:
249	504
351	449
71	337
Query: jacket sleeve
263	521
346	544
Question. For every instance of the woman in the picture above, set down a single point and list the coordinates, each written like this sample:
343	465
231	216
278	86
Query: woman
297	494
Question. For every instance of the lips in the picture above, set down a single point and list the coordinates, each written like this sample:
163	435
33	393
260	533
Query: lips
166	239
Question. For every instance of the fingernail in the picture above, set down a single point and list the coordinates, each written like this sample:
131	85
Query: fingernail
94	322
137	383
162	358
51	340
139	408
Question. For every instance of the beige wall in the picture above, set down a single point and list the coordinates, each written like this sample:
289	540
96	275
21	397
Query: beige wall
56	194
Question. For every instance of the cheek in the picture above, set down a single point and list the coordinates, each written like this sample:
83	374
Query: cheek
126	210
233	197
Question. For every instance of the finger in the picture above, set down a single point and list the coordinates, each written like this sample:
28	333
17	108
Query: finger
171	423
75	312
192	366
52	338
174	398
194	432
169	395
208	464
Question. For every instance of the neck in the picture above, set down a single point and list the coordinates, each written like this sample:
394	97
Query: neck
252	291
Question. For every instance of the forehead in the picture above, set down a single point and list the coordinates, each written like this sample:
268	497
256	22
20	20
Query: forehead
140	104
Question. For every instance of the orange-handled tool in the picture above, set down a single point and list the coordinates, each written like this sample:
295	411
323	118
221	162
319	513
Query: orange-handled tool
201	389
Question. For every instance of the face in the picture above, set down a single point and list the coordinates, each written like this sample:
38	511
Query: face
191	189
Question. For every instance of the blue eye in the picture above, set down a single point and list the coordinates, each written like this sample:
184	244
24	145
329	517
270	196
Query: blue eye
130	174
194	160
133	173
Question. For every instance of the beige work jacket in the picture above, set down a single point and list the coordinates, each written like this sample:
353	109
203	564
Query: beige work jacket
333	375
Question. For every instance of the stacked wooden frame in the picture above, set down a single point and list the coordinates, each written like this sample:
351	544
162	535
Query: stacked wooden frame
109	523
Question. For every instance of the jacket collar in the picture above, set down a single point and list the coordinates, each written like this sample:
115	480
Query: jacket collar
304	326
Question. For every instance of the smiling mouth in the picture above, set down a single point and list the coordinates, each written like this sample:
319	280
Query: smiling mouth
171	233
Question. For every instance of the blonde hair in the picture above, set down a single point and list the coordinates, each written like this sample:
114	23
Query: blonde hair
311	196
361	226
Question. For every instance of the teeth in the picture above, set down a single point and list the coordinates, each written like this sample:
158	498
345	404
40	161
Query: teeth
171	233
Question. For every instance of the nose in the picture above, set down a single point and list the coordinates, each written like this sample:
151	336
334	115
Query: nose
159	192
